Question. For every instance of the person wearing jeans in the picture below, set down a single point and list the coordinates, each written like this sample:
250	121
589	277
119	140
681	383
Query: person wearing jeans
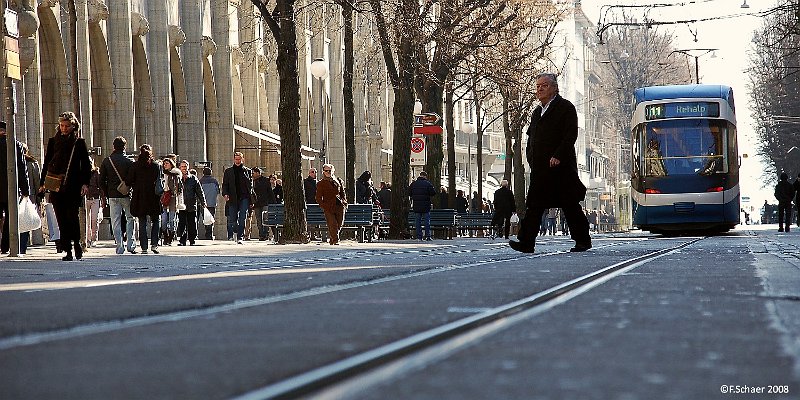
113	170
421	191
237	186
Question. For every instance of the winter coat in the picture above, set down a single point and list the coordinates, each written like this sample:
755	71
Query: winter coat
461	204
174	183
385	198
192	193
108	177
142	177
553	135
210	189
421	191
504	204
784	192
310	188
245	184
364	193
80	169
22	174
93	191
328	191
263	192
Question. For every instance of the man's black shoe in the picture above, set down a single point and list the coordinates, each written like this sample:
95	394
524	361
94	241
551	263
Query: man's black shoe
521	247
581	247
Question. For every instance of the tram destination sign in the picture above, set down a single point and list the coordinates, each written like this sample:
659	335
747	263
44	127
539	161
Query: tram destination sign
681	110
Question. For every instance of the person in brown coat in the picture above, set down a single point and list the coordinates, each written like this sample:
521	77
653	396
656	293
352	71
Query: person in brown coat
331	197
144	178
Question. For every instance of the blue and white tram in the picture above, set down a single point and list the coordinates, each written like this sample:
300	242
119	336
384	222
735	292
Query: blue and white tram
684	159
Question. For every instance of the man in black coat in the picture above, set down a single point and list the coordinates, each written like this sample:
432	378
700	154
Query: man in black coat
237	187
310	186
421	191
784	193
554	168
22	185
504	207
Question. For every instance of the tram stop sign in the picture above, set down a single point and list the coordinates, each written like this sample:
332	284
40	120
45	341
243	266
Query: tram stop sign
418	151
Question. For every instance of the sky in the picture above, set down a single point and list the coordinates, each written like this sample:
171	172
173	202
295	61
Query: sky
732	35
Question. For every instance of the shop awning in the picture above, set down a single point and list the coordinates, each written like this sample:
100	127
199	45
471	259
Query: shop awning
308	153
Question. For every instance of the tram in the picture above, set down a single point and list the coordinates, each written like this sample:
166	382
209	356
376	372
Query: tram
684	159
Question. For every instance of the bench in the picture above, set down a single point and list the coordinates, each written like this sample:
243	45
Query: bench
442	219
475	221
359	217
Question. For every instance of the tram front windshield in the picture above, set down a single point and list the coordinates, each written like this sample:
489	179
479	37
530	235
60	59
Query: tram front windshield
684	147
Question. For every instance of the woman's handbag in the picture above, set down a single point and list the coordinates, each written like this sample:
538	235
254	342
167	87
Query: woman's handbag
29	219
54	182
166	198
208	219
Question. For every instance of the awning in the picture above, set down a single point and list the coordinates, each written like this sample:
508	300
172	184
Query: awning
276	140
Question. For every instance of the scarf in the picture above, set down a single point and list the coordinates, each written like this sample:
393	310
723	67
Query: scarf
62	149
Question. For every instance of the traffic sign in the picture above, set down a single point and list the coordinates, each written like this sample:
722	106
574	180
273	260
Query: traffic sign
428	130
418	151
427	119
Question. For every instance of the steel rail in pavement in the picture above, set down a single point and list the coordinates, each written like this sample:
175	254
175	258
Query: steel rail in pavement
323	377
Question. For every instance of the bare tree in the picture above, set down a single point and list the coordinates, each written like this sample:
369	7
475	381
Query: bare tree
774	75
282	24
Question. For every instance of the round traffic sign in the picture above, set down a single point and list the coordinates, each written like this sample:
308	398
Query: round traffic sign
417	145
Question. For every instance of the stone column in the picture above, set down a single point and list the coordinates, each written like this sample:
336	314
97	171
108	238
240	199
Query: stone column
120	54
220	147
192	141
84	66
157	44
250	44
31	83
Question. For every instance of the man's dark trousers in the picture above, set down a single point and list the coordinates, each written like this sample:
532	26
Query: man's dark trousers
576	220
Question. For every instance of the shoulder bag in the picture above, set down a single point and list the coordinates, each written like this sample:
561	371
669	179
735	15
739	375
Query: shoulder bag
122	188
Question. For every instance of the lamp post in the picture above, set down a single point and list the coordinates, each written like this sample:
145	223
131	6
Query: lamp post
696	53
319	68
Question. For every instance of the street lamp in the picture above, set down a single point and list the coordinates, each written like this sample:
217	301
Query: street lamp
319	68
696	53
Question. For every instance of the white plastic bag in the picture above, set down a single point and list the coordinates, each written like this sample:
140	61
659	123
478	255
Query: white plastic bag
514	218
29	219
180	205
52	224
208	219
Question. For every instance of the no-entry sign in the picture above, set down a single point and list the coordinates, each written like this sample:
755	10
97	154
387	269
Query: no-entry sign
418	151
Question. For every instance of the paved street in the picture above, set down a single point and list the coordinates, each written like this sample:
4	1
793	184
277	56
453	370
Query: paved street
652	317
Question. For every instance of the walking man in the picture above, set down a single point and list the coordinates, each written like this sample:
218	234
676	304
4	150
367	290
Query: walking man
310	186
237	184
554	168
22	185
421	191
504	207
114	170
784	193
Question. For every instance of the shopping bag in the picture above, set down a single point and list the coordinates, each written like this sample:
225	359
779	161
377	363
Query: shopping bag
514	218
29	219
52	224
208	219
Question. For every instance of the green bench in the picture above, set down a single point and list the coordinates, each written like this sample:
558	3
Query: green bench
475	221
442	219
358	217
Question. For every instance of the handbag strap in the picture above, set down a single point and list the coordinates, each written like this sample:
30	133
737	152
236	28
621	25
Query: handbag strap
115	168
66	174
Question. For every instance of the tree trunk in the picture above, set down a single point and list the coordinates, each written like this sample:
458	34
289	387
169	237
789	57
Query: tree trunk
519	173
451	147
295	230
347	96
434	102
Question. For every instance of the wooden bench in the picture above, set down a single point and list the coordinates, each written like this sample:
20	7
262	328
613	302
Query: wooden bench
442	219
358	217
475	221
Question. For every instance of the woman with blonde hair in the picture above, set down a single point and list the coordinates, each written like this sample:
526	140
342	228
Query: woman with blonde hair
67	156
333	201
